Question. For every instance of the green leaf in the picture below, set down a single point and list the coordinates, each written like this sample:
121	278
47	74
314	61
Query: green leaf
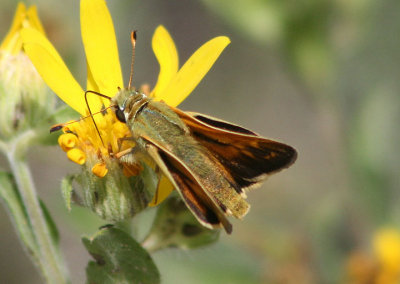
51	225
67	190
118	259
15	208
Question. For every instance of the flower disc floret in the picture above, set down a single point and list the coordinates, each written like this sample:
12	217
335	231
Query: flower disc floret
81	141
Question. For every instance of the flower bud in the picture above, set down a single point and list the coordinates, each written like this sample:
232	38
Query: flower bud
24	98
115	197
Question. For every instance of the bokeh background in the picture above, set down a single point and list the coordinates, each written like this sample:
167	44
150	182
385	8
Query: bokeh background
320	75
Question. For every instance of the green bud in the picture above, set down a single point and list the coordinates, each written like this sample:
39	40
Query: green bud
25	101
116	197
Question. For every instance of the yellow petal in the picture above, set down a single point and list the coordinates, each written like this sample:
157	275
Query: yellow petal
91	83
193	71
94	100
15	26
76	156
101	46
53	69
34	20
164	189
167	56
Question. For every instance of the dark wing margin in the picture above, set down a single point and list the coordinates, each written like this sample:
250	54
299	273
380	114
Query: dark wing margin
203	207
220	124
248	157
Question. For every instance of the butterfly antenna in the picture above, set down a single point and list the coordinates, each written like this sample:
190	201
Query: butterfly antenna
91	115
59	126
133	41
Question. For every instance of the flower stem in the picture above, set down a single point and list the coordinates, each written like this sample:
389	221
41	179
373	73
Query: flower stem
50	259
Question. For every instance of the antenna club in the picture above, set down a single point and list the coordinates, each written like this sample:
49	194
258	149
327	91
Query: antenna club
56	127
133	37
133	40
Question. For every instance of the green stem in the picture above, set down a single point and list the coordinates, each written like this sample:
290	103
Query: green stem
51	262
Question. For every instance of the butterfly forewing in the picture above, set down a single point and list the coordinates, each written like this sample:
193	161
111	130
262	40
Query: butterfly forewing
248	157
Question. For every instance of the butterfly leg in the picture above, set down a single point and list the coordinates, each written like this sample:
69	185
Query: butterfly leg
122	140
131	167
125	152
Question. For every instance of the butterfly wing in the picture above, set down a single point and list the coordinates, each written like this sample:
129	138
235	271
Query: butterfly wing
248	157
204	208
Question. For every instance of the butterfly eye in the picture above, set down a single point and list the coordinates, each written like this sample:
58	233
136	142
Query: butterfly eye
120	115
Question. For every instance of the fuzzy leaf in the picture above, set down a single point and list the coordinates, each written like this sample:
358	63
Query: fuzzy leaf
118	259
67	190
12	200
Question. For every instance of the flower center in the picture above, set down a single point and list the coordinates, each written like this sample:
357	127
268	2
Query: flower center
83	145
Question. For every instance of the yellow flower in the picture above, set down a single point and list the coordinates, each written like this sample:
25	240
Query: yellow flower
24	100
104	76
387	250
382	266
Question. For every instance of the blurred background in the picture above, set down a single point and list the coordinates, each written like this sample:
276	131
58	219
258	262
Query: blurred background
321	75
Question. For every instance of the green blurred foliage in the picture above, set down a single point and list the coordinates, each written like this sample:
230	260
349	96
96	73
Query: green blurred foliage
308	33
